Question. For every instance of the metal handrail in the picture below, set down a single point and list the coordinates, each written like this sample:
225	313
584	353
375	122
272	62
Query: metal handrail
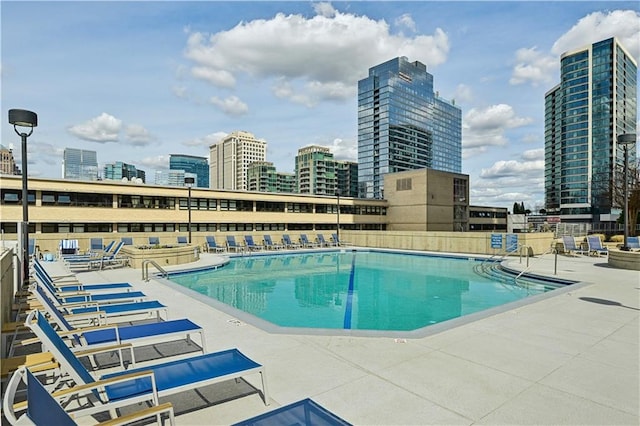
551	250
145	269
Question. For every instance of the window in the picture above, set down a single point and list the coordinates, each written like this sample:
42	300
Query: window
403	184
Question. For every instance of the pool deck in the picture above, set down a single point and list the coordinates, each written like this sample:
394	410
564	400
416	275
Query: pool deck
569	359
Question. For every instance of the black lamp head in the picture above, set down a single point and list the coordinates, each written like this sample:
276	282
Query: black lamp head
23	118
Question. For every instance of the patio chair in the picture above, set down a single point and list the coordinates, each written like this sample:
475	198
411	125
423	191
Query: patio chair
42	408
95	244
633	243
570	245
322	242
232	245
286	240
306	412
31	249
147	383
250	244
269	244
306	243
127	241
69	286
67	247
113	335
154	241
182	239
212	245
595	245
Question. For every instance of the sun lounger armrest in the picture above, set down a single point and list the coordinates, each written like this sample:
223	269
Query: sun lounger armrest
142	414
65	294
87	352
99	316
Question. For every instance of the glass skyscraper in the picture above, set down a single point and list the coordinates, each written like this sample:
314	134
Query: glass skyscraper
191	164
595	101
80	164
403	124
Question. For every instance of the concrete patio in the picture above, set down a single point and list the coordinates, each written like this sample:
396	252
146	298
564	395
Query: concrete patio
572	358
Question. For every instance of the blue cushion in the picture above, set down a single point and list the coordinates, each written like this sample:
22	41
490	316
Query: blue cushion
138	331
305	412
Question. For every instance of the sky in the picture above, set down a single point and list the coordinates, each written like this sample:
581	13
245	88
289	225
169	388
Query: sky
138	81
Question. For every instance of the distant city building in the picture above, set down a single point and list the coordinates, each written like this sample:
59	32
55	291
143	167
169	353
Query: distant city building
230	158
316	171
79	164
174	178
7	162
595	101
262	176
120	170
191	164
347	172
403	125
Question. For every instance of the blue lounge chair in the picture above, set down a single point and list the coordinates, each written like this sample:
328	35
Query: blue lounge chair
286	240
69	286
633	243
306	412
42	408
95	244
322	242
212	245
595	245
306	243
99	262
65	298
232	245
250	244
31	249
148	383
570	245
128	241
269	244
154	241
182	239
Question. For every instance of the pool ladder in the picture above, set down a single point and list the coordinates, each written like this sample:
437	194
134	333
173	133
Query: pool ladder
145	269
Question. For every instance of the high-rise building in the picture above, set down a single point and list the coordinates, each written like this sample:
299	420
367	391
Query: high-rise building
120	170
230	158
7	162
262	176
347	172
403	125
316	171
79	164
174	178
595	101
191	164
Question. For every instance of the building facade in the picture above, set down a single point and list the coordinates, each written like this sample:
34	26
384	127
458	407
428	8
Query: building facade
198	166
120	171
174	178
7	162
427	200
403	125
230	159
316	171
261	177
595	101
79	164
347	173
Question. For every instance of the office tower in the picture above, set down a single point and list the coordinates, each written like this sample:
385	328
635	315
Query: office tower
403	125
174	178
79	164
347	183
7	162
120	170
595	101
230	158
261	177
315	171
285	182
191	164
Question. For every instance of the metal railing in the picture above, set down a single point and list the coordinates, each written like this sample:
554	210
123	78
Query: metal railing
145	269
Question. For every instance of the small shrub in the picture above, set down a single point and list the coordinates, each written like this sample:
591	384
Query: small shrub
617	238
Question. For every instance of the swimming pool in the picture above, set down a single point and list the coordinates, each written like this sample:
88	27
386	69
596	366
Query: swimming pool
355	290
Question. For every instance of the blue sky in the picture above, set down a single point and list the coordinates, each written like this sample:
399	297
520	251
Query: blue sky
137	81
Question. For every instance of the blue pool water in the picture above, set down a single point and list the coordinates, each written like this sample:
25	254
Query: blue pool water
363	290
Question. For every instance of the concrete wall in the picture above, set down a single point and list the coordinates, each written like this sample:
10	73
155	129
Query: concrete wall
6	285
452	242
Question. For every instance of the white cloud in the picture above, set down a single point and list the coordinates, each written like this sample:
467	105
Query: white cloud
206	141
314	59
231	105
158	162
138	135
513	168
104	128
482	127
344	149
406	21
533	154
535	67
44	152
463	93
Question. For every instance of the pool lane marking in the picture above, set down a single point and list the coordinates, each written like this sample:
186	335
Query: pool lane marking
349	307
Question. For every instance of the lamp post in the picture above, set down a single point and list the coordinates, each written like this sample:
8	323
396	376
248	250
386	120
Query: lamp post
338	218
626	140
24	118
189	182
